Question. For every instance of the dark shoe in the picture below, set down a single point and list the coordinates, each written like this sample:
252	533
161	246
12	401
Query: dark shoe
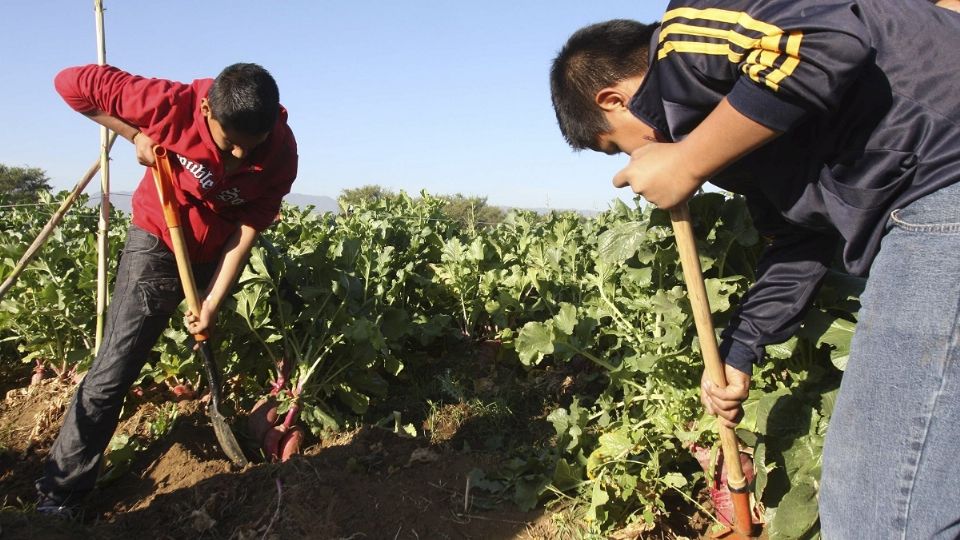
54	507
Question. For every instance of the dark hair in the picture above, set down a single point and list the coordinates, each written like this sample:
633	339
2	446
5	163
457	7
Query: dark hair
245	98
595	57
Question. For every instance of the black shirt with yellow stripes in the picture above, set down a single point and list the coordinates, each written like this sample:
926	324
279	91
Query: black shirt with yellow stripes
866	95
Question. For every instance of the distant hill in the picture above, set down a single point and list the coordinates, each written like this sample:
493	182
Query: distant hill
121	200
321	203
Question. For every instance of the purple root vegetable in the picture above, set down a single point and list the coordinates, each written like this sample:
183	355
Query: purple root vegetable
273	446
39	373
271	442
283	375
262	417
290	444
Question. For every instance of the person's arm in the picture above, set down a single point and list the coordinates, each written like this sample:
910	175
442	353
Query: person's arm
667	174
235	254
793	59
775	64
117	125
252	217
789	273
141	142
134	107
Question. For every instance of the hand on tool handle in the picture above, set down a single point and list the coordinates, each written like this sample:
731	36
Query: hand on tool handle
144	146
661	174
198	319
725	403
203	324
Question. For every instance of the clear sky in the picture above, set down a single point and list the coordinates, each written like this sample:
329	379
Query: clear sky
444	96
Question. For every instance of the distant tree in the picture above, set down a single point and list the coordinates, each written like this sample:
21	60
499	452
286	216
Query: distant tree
473	212
20	185
370	192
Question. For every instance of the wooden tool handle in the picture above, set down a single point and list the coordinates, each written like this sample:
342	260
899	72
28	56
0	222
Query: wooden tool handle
163	178
700	304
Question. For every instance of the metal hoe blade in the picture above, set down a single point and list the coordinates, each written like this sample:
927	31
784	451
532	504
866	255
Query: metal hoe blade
228	442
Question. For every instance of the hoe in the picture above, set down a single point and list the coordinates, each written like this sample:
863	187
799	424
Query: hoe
163	177
693	276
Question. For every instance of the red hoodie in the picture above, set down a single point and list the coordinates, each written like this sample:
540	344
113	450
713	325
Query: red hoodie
212	204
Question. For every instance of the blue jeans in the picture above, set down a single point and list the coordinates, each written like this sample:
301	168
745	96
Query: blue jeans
146	293
891	465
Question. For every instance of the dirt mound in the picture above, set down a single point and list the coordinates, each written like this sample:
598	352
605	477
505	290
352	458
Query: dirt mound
29	420
367	484
372	485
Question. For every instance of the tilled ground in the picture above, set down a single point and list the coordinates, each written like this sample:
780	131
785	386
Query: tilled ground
366	484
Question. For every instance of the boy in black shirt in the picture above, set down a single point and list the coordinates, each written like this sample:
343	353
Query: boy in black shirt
838	121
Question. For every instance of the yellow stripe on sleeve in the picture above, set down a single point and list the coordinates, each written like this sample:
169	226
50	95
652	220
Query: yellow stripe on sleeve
764	49
680	29
718	49
722	15
792	61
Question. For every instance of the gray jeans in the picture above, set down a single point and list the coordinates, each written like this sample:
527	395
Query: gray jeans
890	468
146	293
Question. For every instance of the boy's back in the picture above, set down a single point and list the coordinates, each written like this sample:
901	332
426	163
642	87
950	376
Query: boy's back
864	91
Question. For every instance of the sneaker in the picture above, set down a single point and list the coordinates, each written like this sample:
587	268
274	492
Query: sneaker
55	507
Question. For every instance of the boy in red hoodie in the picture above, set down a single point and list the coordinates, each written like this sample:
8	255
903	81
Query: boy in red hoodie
234	158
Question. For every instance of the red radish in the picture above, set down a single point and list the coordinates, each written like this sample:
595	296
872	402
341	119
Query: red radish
290	444
271	441
281	442
262	417
39	373
717	484
183	392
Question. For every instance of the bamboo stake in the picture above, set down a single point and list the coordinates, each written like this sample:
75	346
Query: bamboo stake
700	303
103	246
52	224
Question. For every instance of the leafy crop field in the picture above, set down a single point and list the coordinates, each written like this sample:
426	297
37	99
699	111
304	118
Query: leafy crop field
537	378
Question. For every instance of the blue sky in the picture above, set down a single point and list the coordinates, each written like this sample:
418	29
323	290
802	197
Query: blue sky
443	96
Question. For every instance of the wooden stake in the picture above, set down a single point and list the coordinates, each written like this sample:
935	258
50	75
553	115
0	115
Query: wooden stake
103	228
52	224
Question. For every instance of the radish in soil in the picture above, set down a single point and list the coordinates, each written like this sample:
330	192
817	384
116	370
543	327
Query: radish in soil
277	439
263	416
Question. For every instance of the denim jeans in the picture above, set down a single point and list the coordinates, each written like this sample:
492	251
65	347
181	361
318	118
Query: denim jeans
890	462
146	293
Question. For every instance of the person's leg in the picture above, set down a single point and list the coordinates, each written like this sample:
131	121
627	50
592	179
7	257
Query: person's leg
146	293
889	465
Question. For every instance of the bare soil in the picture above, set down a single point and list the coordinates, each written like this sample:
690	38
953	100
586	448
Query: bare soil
370	483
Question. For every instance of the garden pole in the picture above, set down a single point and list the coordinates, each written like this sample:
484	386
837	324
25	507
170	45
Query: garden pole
52	223
103	246
700	304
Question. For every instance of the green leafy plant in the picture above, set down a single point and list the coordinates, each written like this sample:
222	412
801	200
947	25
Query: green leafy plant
357	303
